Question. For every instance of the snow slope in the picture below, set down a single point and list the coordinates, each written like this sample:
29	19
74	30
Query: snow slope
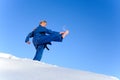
13	68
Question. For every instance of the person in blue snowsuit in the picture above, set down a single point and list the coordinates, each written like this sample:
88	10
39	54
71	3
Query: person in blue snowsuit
42	37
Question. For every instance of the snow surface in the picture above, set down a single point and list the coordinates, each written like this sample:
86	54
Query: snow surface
13	68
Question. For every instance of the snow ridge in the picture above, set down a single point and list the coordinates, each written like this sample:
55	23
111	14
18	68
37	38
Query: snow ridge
13	68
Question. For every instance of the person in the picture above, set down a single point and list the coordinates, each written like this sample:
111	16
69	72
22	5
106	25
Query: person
42	37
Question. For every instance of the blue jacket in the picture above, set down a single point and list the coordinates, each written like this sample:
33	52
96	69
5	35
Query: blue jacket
38	34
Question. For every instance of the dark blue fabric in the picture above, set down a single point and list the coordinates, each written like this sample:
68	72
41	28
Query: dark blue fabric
39	53
41	37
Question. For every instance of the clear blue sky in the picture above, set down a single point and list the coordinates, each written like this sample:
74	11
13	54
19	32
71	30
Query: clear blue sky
92	45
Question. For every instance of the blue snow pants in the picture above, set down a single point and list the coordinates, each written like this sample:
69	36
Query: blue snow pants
41	42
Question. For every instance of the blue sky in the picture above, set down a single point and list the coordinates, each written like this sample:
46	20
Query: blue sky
92	45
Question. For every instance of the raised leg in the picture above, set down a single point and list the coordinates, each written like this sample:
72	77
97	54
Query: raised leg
65	33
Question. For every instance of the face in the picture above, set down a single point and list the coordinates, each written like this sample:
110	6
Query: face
43	24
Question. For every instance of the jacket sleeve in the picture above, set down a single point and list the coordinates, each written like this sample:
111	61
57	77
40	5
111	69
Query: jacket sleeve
29	36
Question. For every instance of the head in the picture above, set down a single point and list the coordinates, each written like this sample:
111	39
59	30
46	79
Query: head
43	23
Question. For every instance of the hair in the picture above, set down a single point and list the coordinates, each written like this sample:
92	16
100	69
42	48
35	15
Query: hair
43	21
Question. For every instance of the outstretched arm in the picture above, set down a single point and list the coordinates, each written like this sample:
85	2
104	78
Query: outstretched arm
28	37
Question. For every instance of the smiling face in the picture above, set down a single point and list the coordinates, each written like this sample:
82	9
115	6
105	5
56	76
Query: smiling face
43	23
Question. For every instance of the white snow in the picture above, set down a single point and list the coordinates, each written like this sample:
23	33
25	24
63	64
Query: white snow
13	68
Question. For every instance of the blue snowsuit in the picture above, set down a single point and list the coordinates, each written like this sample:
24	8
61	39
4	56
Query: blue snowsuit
41	38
